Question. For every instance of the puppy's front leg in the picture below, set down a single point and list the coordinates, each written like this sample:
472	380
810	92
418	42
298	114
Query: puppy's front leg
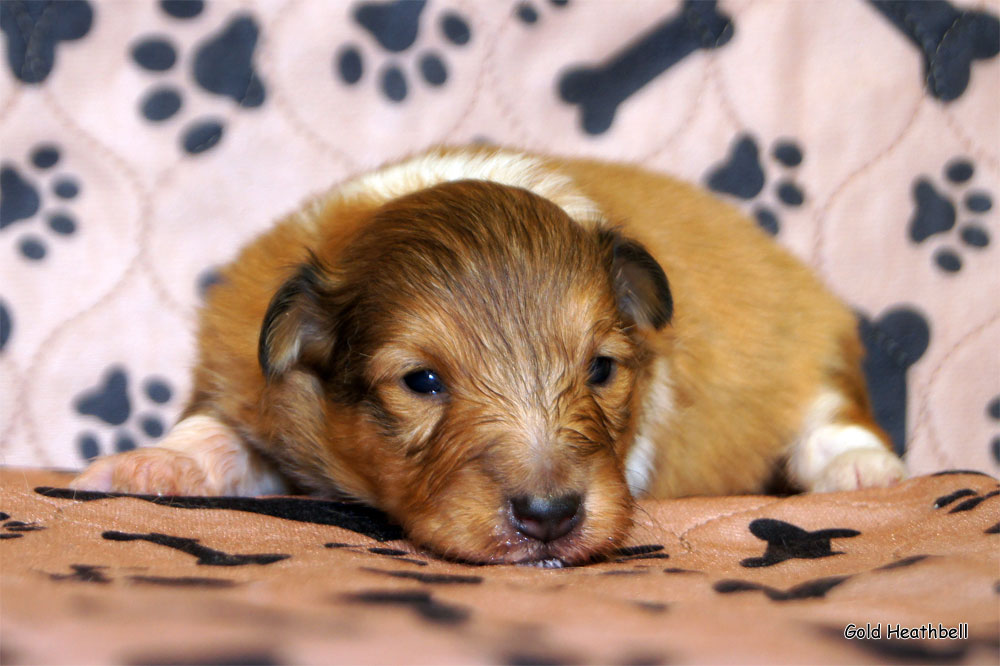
200	456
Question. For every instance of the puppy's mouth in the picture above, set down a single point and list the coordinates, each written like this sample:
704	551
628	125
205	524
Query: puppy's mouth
565	552
550	532
545	530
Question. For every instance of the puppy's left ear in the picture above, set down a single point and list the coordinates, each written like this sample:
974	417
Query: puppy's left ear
640	284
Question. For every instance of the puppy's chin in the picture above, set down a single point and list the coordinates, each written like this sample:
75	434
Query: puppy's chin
473	523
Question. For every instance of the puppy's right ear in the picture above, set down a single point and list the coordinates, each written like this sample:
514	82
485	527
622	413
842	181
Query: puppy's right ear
297	328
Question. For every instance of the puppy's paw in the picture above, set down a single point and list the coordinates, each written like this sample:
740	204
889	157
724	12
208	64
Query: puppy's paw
860	468
152	471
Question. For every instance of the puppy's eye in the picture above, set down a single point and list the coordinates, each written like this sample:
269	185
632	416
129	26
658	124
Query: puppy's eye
600	370
424	381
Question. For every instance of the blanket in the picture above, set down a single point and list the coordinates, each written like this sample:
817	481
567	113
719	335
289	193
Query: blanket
907	574
141	144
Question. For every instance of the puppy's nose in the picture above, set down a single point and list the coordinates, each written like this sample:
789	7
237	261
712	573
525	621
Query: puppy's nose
546	518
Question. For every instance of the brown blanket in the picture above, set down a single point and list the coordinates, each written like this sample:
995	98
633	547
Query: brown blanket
93	578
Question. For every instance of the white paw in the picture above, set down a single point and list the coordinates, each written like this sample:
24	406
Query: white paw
152	471
860	468
200	456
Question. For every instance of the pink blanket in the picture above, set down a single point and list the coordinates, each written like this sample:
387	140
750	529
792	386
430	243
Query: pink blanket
143	143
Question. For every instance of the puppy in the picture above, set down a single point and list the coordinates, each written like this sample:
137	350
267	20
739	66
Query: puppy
502	350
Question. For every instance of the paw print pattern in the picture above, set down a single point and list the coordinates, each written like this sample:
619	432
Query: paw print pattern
222	65
207	279
35	30
937	213
893	342
993	412
110	403
742	175
23	194
6	325
395	26
527	12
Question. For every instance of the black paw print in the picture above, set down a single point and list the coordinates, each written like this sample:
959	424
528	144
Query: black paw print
993	411
893	342
937	213
528	14
6	325
743	176
34	30
21	198
222	65
110	403
396	27
207	279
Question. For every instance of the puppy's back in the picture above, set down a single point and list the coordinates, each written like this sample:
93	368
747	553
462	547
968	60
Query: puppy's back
756	338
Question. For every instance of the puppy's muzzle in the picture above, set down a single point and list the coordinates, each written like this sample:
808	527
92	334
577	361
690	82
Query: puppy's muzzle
546	518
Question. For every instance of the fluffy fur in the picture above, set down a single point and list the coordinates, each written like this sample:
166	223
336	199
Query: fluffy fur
597	333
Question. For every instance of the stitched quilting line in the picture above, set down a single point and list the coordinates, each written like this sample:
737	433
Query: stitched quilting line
934	69
926	42
923	415
686	121
490	71
728	107
8	105
232	119
760	510
474	97
25	387
682	537
278	99
693	19
968	143
145	219
42	25
652	522
715	74
818	258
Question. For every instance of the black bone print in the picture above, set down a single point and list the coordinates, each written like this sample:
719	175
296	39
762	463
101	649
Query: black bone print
786	541
205	555
599	91
809	590
950	40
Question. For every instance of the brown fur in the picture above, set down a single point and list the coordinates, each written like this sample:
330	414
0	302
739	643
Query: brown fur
509	300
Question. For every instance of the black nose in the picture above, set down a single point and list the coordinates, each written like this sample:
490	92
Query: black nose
546	518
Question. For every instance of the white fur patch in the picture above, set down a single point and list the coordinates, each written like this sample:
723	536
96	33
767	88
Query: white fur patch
839	456
657	407
229	466
500	166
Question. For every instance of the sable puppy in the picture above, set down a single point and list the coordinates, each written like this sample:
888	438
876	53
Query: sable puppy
486	345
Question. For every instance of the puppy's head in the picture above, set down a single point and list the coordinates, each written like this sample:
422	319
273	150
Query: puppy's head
481	354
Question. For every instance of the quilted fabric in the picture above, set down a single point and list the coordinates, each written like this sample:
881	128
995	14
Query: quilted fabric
90	578
142	143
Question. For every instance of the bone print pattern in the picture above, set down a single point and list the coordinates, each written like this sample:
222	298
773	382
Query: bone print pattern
700	579
122	193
